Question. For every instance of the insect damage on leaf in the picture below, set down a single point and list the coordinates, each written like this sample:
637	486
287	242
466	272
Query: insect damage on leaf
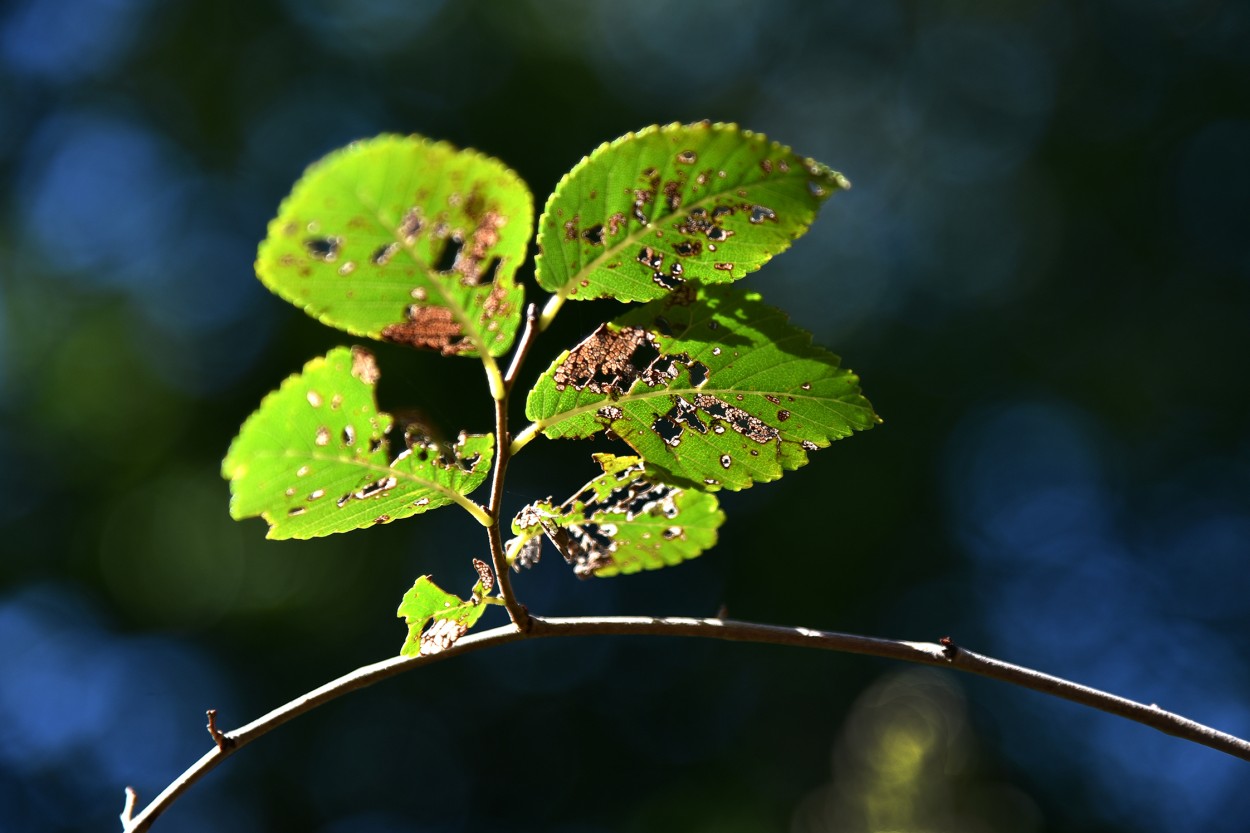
431	328
652	210
709	385
436	618
610	361
405	240
318	456
624	521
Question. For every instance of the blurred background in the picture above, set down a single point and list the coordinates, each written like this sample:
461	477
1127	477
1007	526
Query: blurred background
1042	275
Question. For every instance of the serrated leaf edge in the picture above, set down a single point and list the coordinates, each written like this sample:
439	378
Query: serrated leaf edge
230	471
459	313
813	168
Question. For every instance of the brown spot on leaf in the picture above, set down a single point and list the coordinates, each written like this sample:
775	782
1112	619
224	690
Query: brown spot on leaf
364	367
484	574
410	226
429	328
474	204
649	257
672	194
383	254
739	420
590	545
441	635
608	361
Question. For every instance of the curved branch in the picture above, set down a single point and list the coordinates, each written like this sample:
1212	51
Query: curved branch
943	654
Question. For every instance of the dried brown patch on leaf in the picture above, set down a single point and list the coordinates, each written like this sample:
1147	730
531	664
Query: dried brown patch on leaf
441	635
364	367
591	545
608	361
476	251
484	574
430	328
739	420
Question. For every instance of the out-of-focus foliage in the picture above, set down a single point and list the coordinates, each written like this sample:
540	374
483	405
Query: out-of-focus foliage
1042	268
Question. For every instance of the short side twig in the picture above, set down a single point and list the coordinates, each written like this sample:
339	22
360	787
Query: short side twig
944	654
128	809
218	736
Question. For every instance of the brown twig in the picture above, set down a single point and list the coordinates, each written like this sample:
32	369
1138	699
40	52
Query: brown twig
128	809
503	453
218	736
945	654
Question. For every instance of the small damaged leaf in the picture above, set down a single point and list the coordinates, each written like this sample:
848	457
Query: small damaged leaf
316	457
624	521
405	240
436	618
709	385
646	213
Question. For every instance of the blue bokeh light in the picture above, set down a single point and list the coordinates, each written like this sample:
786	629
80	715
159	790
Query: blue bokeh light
1033	506
104	199
85	710
69	40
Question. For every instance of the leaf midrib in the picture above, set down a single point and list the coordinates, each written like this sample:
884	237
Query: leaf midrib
299	454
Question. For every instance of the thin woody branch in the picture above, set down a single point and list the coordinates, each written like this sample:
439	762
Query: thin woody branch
943	654
503	442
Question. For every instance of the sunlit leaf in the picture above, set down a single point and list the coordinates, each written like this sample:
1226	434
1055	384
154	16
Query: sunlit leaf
625	520
665	205
710	386
317	458
447	615
403	239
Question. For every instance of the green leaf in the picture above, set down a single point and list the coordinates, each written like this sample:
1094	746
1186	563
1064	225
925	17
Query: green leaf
402	239
705	201
449	617
625	520
315	459
709	385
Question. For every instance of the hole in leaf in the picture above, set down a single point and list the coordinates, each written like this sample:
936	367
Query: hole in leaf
447	258
594	235
324	248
